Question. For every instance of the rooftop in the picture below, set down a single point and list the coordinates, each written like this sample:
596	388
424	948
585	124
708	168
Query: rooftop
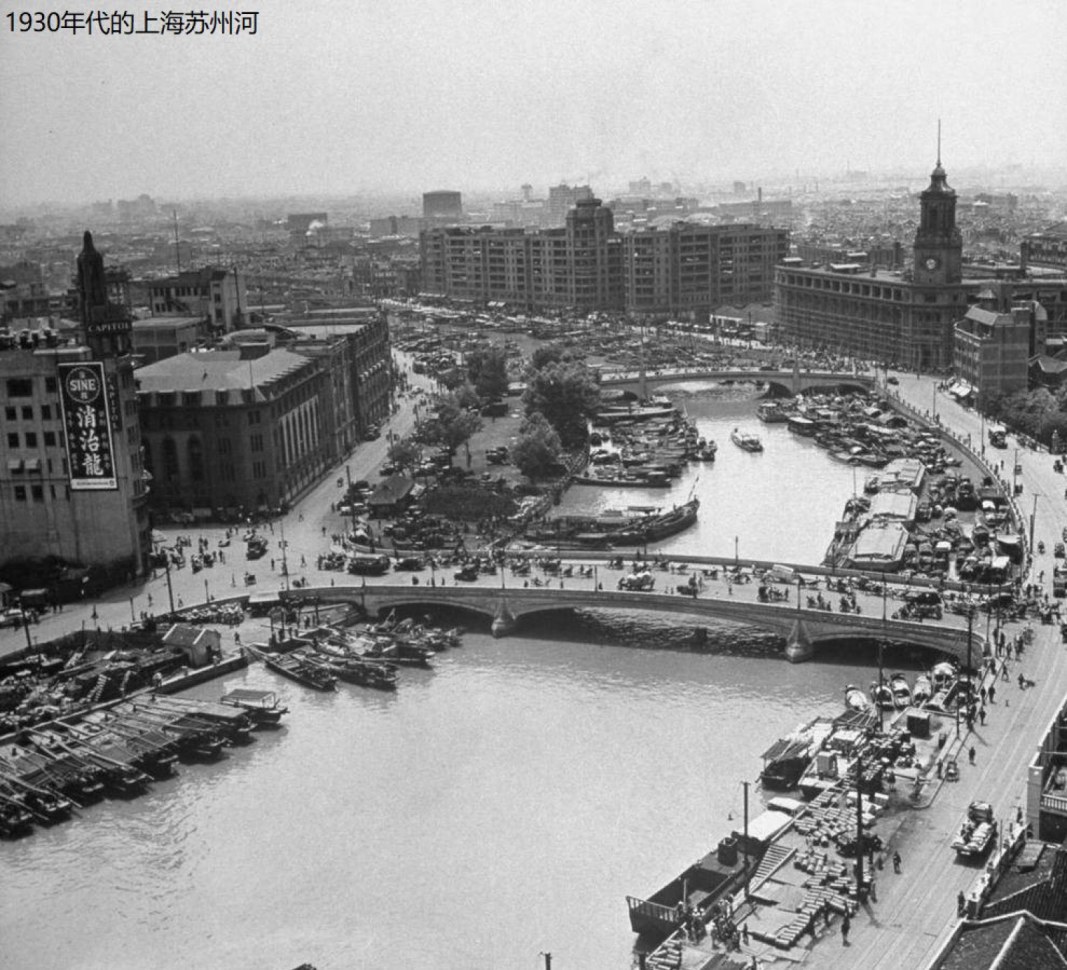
219	370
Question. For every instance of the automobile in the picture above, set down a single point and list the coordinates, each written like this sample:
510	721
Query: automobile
468	574
388	470
372	434
410	564
892	380
10	618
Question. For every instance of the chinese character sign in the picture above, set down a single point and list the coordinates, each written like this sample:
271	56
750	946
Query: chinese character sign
90	458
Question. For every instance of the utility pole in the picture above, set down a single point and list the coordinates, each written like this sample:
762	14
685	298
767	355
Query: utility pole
744	844
170	589
859	826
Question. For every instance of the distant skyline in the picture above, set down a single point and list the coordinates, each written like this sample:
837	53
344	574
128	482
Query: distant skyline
335	98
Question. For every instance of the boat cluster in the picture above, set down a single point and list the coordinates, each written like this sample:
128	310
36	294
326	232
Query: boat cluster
854	429
49	772
642	446
319	657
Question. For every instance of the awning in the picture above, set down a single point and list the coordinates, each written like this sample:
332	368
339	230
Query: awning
33	464
14	465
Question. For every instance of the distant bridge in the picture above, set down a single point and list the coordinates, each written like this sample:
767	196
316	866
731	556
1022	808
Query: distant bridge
801	628
793	381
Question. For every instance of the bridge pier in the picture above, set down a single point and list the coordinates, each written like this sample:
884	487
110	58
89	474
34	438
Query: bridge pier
798	647
503	620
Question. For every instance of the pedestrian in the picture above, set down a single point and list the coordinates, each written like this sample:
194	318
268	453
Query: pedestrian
992	693
961	903
981	714
971	754
272	565
896	862
874	892
744	934
846	926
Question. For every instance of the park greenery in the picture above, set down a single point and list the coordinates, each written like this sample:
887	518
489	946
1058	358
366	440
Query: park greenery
450	426
487	371
538	450
564	390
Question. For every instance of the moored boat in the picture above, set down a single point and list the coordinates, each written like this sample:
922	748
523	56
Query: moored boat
855	699
295	669
262	706
898	684
921	691
654	528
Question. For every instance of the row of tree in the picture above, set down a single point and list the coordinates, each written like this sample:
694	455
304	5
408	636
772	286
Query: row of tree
1039	413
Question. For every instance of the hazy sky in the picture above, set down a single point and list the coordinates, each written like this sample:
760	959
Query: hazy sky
336	96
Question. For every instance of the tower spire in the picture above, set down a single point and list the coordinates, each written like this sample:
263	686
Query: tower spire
939	142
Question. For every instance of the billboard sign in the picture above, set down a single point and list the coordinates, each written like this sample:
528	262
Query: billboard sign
86	421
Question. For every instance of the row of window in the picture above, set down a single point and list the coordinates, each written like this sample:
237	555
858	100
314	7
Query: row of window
29	439
24	493
23	386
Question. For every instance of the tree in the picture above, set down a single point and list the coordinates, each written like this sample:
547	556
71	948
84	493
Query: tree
405	454
466	397
450	427
567	395
538	447
488	372
544	355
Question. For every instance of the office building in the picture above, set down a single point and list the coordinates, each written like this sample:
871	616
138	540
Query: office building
72	483
226	430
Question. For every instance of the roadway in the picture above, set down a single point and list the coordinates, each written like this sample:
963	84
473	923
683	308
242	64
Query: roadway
916	910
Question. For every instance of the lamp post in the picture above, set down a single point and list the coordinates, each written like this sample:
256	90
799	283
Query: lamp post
736	553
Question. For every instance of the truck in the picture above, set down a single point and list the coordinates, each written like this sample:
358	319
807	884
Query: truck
1059	581
977	832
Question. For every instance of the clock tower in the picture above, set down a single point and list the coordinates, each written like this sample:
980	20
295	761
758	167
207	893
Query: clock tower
938	244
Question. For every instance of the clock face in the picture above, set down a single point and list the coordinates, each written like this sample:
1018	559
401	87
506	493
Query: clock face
931	263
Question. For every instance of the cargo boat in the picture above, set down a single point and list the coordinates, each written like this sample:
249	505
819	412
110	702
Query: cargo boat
788	758
723	871
653	528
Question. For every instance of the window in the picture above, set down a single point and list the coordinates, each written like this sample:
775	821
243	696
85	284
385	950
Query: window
12	439
20	493
51	385
31	439
38	492
27	413
46	412
11	414
196	460
19	387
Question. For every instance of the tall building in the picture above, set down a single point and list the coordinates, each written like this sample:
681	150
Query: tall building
693	268
71	478
908	316
442	205
579	265
683	268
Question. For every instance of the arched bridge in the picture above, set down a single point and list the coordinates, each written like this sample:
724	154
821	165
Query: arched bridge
792	381
801	628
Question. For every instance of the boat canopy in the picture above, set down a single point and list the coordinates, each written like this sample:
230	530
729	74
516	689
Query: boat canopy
765	826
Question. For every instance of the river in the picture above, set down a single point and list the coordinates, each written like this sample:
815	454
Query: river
500	805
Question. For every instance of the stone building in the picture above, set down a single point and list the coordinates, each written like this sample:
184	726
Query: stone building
904	317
